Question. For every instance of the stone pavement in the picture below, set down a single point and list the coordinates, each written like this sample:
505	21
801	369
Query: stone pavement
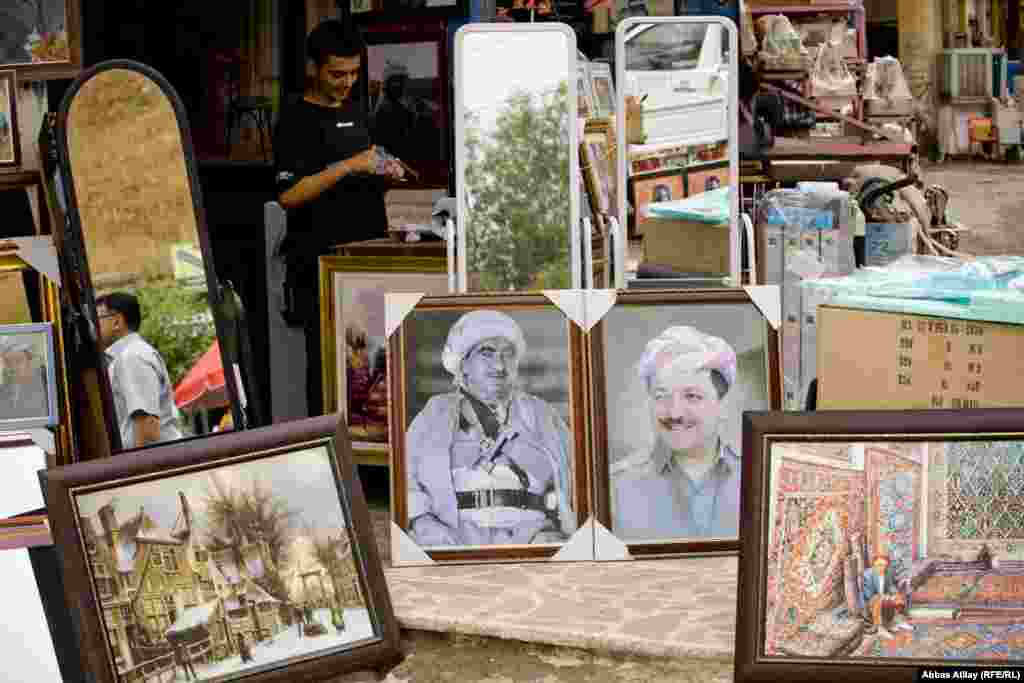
657	608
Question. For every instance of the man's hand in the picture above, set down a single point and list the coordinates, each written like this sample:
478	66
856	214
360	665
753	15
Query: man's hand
430	531
146	429
364	162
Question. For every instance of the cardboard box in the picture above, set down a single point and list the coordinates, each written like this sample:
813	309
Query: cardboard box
687	246
895	361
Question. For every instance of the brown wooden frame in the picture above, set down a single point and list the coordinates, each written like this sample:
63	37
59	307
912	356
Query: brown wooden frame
399	420
599	418
47	71
330	320
14	163
425	30
61	486
760	431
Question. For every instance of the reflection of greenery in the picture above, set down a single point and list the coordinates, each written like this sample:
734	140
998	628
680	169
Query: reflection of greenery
518	186
176	321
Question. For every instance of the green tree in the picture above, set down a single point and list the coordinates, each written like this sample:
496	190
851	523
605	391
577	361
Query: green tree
176	321
517	180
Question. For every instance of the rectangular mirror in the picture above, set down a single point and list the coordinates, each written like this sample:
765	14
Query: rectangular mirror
516	157
676	130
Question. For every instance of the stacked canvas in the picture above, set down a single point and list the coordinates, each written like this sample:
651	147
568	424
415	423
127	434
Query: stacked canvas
805	235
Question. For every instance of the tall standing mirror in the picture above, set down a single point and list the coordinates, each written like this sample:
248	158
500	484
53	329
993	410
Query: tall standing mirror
136	213
677	145
515	156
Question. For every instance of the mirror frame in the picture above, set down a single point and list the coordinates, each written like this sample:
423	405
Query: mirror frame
732	132
214	289
462	269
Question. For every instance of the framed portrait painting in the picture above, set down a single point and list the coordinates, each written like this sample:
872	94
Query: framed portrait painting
596	167
408	86
659	187
41	39
487	431
10	139
354	342
706	179
671	376
243	556
881	546
28	377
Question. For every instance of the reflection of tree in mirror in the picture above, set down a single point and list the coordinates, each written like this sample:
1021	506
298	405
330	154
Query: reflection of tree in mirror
177	322
517	184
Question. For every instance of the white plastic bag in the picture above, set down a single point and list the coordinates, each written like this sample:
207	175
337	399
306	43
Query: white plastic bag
884	80
831	77
779	40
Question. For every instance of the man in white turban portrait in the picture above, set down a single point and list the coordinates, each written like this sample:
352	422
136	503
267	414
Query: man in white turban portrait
688	484
488	463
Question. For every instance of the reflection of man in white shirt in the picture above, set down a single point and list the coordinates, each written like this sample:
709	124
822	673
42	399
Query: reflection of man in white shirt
488	463
143	394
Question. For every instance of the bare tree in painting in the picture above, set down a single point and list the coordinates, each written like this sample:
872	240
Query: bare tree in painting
33	31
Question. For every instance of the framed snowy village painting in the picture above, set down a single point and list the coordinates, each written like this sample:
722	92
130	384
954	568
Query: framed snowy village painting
243	556
881	546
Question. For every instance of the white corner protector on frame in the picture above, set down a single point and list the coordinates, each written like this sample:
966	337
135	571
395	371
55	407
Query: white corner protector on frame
768	299
39	253
44	439
585	307
579	548
607	546
404	550
396	306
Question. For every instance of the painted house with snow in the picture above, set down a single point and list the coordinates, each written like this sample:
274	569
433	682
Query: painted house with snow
160	587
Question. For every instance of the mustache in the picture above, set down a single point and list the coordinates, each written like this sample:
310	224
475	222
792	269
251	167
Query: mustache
673	422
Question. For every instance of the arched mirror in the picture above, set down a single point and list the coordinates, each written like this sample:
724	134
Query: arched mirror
677	144
136	213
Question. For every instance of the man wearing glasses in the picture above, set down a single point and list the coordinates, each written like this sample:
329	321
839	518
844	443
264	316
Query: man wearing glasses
143	393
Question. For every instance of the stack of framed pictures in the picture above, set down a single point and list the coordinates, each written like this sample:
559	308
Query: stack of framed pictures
541	427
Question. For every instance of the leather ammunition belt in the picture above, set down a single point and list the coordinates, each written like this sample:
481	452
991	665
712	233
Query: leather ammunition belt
506	498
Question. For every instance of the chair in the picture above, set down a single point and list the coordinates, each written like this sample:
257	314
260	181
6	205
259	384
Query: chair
240	107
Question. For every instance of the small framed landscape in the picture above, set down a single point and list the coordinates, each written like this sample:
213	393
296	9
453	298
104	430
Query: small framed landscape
671	374
354	344
487	431
242	556
881	545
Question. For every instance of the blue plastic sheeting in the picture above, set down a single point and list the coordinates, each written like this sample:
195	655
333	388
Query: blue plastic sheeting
986	289
710	207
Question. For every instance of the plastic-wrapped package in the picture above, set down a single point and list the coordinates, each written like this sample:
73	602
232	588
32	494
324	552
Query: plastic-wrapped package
781	46
885	88
987	288
805	235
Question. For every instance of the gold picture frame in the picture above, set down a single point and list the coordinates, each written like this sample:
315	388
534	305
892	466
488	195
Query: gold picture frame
377	275
50	309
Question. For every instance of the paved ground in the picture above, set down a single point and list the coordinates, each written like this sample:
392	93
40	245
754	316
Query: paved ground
989	199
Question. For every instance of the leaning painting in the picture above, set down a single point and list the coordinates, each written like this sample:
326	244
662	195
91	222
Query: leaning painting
886	552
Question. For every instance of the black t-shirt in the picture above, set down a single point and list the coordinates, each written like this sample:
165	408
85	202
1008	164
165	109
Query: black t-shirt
308	139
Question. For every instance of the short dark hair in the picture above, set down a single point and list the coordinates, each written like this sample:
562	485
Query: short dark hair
126	304
333	38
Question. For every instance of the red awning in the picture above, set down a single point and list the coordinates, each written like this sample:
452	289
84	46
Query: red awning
203	388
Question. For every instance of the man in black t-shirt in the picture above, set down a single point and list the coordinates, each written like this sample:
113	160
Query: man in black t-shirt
328	177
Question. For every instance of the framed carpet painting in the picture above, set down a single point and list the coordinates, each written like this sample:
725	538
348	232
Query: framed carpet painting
488	431
671	374
881	546
354	339
243	556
